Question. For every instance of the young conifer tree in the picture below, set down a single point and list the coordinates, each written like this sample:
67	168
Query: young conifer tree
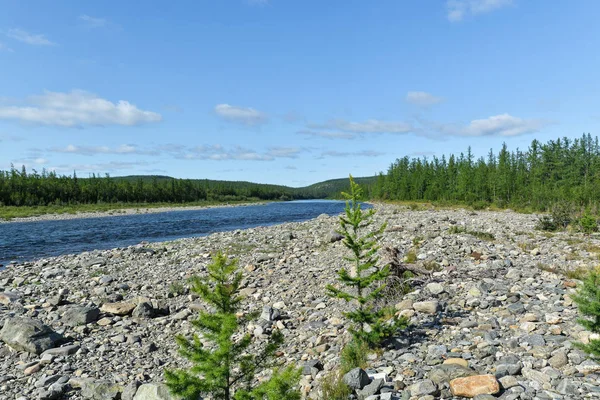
226	367
365	278
588	302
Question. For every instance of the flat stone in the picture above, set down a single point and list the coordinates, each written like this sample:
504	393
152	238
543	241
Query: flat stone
32	369
97	389
508	381
427	307
457	361
447	372
61	351
474	385
119	308
423	388
80	315
534	375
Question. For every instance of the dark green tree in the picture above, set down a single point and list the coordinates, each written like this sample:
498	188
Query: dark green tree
225	367
588	302
364	277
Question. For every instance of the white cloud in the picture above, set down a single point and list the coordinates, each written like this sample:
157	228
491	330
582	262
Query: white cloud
284	152
363	153
457	10
242	115
82	169
369	126
423	99
93	22
93	150
77	109
496	125
220	153
327	135
29	38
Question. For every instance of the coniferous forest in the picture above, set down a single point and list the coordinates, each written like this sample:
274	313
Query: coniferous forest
562	170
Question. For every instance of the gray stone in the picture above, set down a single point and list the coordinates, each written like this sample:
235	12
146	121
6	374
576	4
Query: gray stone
427	307
143	310
356	378
335	237
534	375
7	298
447	372
534	340
61	351
508	381
435	288
130	390
558	360
566	386
270	314
97	389
29	335
80	315
370	390
423	388
153	391
309	365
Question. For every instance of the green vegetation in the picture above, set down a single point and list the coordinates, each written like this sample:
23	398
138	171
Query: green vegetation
455	229
587	223
354	355
22	188
411	256
176	289
588	302
364	278
225	369
333	386
562	170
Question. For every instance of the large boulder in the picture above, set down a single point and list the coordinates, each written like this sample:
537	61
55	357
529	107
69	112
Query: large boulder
29	335
356	378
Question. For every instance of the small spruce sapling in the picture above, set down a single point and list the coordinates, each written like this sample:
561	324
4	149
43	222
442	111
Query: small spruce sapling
588	302
225	366
365	278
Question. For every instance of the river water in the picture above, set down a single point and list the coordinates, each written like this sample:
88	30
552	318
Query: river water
26	241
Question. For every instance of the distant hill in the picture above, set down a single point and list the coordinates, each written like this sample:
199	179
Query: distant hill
331	188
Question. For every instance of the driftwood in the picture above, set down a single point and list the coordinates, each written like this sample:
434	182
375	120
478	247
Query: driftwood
397	283
393	257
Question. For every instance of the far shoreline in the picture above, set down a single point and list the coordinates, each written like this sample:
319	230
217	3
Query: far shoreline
118	211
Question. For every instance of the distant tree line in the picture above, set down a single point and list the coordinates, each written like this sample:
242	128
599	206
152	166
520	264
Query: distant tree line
558	171
23	188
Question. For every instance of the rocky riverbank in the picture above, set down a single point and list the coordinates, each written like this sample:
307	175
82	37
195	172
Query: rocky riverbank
495	311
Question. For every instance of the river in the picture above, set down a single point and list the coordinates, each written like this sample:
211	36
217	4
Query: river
26	241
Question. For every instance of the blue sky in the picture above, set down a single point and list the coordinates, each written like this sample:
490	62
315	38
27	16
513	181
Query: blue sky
288	91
